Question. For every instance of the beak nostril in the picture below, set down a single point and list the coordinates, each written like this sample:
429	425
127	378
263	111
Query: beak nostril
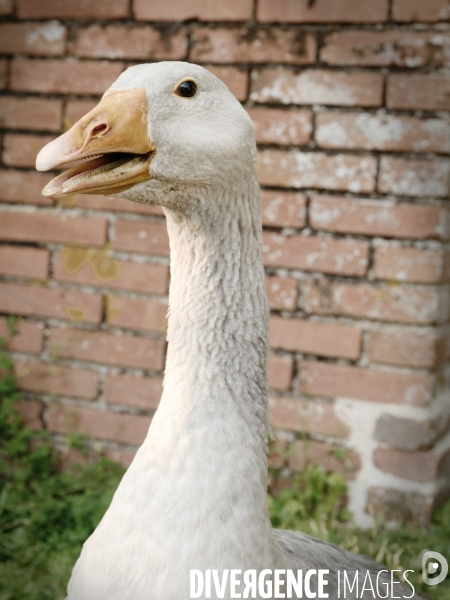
99	130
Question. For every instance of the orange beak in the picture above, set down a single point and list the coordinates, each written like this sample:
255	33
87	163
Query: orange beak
108	150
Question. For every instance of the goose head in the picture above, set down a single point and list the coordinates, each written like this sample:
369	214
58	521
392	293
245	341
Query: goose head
159	130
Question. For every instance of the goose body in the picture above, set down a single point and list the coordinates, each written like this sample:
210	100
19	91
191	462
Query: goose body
194	496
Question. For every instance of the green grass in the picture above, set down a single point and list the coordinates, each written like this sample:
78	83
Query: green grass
46	513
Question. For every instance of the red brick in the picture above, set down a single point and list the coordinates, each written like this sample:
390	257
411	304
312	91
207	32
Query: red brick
426	91
412	49
35	39
63	76
50	378
312	416
403	348
107	348
308	253
281	292
416	10
235	79
325	11
418	466
102	424
126	275
129	390
202	10
255	45
335	88
24	262
283	209
407	434
133	313
390	504
138	236
3	72
309	452
23	187
50	227
279	371
407	177
278	126
379	302
382	132
6	7
31	412
72	9
408	264
309	337
28	338
115	205
45	302
330	380
42	114
123	457
376	217
76	109
342	172
21	149
120	41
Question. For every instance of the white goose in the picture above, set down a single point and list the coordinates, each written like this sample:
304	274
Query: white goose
195	495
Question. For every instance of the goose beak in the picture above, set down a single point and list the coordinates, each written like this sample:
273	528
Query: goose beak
106	152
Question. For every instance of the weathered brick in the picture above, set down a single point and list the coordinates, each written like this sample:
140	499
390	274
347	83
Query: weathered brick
6	7
406	434
235	79
24	262
379	302
50	378
408	264
42	114
134	313
114	205
375	217
326	11
49	227
310	337
102	424
308	253
390	504
426	91
418	466
366	131
35	39
403	347
107	348
120	41
129	390
416	10
279	371
72	9
202	10
312	416
25	336
407	177
397	48
283	209
23	187
281	292
21	149
116	274
255	45
334	381
45	302
76	109
63	76
118	455
278	126
334	88
342	172
138	236
3	72
31	411
332	459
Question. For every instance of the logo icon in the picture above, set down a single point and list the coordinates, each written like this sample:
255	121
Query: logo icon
431	561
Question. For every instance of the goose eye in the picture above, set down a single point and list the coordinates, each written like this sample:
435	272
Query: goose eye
186	89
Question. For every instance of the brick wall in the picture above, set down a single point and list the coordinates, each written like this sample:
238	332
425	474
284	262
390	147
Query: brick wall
351	103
